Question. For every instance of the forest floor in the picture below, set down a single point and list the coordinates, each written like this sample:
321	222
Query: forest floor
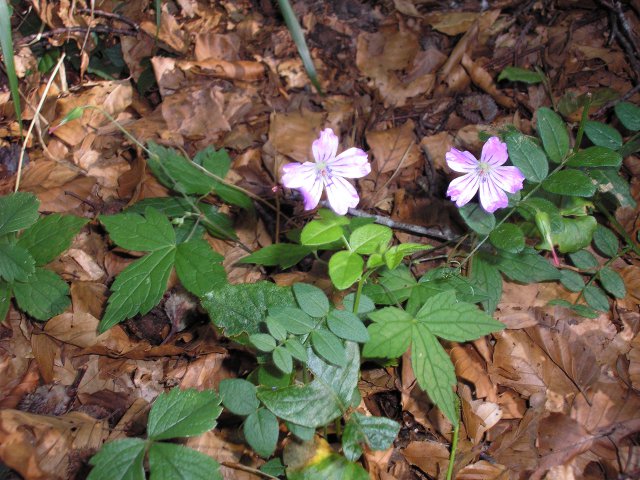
553	396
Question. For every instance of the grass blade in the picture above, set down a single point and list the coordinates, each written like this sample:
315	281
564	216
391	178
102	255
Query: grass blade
298	37
6	41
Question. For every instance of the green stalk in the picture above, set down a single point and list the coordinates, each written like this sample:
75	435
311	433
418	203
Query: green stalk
298	38
6	42
454	443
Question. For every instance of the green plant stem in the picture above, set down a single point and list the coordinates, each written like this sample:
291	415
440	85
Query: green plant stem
6	43
583	121
619	228
454	443
356	301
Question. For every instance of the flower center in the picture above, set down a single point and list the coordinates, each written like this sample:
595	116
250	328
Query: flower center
483	168
324	172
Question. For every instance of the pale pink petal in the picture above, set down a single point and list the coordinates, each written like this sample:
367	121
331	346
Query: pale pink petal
341	195
462	189
325	147
352	163
494	152
463	162
296	175
507	178
491	197
311	195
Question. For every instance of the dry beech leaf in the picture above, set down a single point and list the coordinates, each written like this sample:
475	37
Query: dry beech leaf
451	23
483	470
15	352
393	149
561	438
382	56
238	70
634	362
430	457
470	366
478	416
292	134
435	148
170	32
218	46
41	447
215	445
568	352
523	366
45	350
516	448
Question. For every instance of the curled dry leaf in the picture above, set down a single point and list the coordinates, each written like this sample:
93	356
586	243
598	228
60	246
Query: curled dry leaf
481	78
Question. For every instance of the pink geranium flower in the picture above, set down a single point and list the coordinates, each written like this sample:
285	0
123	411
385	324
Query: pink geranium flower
487	175
328	171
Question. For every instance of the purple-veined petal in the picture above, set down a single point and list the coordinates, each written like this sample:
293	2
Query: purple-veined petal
298	175
341	195
312	195
492	197
494	152
463	162
507	178
325	147
352	163
462	189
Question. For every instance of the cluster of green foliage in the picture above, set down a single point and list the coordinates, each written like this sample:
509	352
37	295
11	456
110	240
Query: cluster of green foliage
27	244
309	351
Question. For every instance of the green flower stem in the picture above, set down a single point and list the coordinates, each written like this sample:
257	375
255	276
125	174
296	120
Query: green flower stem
454	443
356	301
